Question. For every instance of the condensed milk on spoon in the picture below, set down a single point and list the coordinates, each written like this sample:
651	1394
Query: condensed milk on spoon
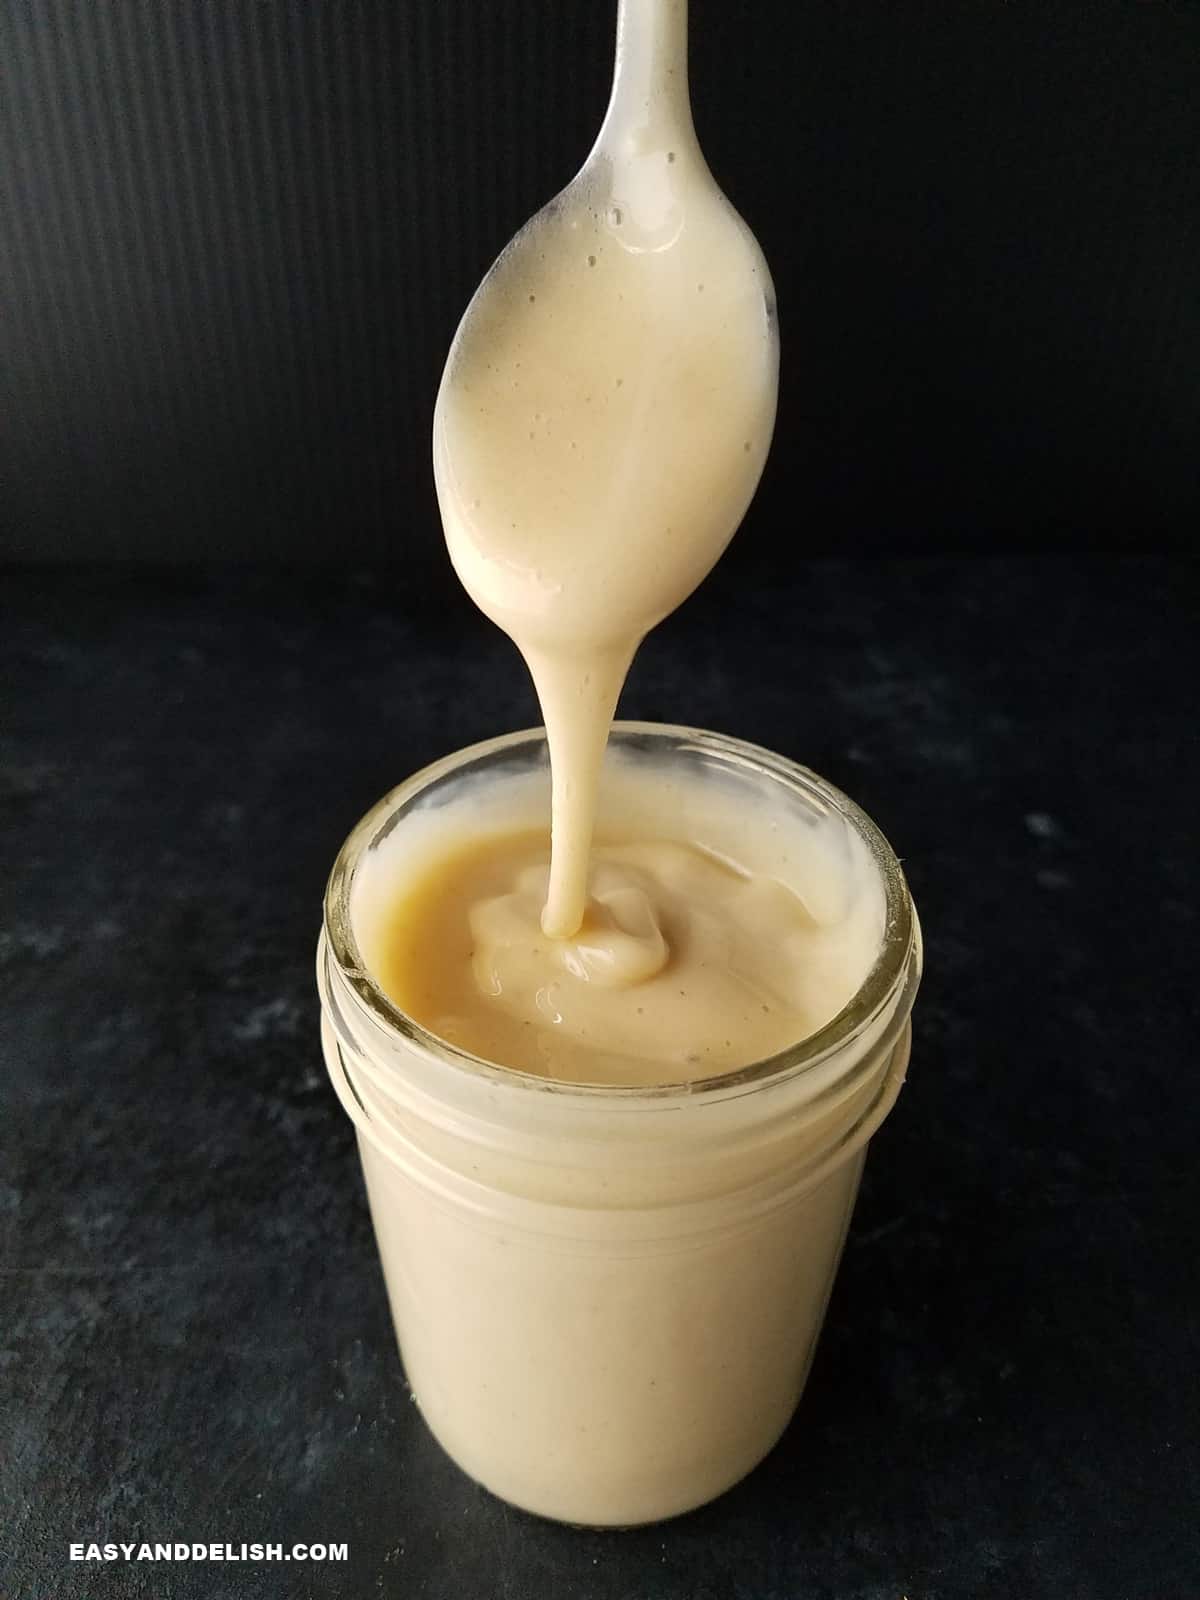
605	414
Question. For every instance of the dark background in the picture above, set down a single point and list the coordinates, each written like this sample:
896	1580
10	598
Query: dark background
194	1339
228	277
236	236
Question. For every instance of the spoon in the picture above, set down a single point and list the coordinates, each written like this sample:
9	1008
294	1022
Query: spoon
605	414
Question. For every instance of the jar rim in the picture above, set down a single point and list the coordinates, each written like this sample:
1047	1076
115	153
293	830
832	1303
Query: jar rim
901	930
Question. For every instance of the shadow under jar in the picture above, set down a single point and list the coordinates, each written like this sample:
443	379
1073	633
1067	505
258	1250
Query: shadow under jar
607	1299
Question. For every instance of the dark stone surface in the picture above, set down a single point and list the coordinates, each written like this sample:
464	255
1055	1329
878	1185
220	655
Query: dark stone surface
194	1341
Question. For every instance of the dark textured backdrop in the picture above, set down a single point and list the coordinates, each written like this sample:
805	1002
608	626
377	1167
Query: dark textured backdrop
235	237
194	1340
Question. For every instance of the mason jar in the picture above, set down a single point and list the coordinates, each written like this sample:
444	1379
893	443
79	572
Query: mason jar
607	1299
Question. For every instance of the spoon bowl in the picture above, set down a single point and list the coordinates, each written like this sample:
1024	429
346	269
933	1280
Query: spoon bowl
614	378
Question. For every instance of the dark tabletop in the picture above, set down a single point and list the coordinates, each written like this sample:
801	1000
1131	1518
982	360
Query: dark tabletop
194	1340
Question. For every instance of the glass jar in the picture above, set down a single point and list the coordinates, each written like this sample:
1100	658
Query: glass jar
607	1299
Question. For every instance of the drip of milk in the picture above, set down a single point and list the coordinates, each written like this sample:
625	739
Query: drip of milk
604	417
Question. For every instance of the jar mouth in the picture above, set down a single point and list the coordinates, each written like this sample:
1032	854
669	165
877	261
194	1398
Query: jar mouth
893	962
